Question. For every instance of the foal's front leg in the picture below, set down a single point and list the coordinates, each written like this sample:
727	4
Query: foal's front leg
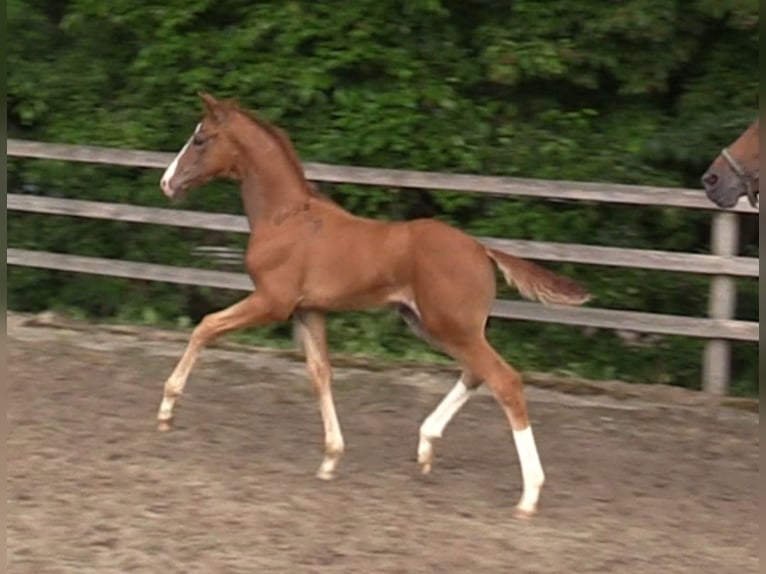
256	309
311	329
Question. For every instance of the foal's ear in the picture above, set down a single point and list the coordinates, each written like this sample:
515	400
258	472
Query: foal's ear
215	109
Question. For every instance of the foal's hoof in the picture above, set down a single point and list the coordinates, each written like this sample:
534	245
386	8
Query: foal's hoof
425	455
524	513
164	425
323	474
327	468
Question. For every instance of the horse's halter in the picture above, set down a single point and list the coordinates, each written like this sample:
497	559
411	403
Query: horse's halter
751	180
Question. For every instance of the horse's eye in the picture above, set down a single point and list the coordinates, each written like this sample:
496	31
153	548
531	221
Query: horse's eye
198	139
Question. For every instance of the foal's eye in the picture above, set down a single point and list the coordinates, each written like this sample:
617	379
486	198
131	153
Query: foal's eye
198	139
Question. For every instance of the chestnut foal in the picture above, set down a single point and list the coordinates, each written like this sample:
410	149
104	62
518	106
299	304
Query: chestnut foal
307	256
735	171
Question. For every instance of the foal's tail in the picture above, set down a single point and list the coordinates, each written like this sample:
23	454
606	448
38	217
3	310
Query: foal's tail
535	282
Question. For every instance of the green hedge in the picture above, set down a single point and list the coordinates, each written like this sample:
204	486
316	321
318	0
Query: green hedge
642	92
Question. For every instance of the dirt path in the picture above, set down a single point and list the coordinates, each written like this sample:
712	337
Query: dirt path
633	486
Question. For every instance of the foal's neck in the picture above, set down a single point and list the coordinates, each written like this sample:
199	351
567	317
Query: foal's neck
272	184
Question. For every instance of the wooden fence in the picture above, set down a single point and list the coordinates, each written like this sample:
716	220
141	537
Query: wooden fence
723	265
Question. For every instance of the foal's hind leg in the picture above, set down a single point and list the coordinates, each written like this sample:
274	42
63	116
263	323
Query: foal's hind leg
251	311
434	425
311	328
507	386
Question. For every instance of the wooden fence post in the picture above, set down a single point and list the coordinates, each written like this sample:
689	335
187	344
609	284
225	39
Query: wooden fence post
722	303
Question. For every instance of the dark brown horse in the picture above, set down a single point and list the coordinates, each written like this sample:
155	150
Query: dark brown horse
307	256
735	171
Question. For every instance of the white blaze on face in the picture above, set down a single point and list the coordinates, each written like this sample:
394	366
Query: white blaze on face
171	169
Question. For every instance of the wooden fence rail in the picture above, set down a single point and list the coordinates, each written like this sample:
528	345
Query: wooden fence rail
569	252
542	189
723	265
522	310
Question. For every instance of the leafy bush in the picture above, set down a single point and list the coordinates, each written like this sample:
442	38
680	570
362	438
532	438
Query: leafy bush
641	92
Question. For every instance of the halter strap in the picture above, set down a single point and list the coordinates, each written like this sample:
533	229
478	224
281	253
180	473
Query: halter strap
750	180
734	164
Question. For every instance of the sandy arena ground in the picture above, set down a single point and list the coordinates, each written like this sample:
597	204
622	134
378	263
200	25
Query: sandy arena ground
634	486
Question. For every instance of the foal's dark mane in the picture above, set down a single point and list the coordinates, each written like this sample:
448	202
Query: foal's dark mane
285	145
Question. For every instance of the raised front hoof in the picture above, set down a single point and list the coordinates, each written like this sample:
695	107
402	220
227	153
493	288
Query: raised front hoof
164	425
327	468
425	455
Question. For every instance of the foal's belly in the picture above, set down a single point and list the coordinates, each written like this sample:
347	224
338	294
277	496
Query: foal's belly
346	290
357	271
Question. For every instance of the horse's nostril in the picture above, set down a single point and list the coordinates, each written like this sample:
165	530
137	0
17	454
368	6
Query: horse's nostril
165	186
709	179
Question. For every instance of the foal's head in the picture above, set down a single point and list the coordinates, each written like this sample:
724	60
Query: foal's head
735	172
209	153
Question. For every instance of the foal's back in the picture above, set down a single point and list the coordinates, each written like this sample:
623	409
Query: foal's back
354	262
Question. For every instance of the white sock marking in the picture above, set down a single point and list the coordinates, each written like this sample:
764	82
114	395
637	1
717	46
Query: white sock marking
333	435
531	469
435	423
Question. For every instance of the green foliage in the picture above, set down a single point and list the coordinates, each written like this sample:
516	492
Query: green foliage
641	91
